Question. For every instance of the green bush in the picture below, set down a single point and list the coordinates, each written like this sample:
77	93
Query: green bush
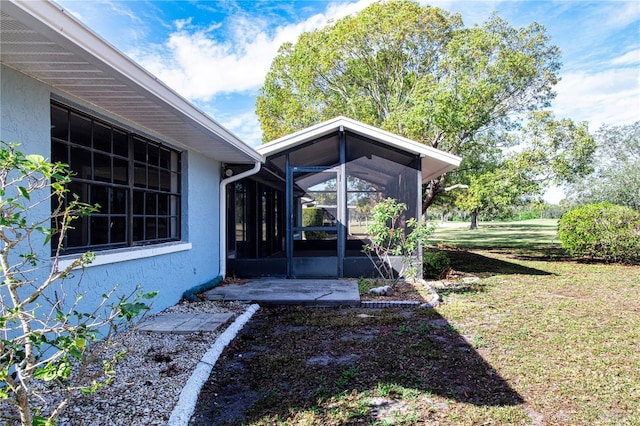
391	234
603	231
313	216
435	263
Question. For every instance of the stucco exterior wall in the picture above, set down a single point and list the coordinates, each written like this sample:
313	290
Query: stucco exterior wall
25	118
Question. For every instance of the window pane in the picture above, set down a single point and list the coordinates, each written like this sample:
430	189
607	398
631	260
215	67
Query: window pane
119	201
120	143
150	204
139	150
165	181
163	204
138	229
59	153
153	155
175	161
165	158
120	171
153	178
79	189
102	137
99	230
162	228
77	235
140	176
175	182
80	163
174	205
100	195
118	229
101	167
150	223
59	123
138	202
80	130
174	227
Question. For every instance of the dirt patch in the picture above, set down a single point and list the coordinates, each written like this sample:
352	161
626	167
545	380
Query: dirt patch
293	362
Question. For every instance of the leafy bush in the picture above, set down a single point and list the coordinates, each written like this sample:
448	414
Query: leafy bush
435	263
391	234
314	216
605	231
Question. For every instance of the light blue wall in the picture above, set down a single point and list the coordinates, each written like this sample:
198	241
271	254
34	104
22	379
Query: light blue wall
25	109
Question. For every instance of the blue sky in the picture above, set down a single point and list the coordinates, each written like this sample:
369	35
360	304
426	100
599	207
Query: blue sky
217	53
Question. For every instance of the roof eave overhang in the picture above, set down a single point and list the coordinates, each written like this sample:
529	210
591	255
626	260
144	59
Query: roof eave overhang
202	133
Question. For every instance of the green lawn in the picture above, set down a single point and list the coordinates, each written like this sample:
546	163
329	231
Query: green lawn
564	334
534	234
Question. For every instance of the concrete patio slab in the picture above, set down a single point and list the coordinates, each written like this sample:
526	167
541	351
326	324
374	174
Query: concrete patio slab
307	292
181	323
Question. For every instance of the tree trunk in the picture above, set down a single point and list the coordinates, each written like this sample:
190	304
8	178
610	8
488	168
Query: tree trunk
474	219
22	398
429	196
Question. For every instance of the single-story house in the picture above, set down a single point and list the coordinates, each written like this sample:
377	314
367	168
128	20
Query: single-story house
182	198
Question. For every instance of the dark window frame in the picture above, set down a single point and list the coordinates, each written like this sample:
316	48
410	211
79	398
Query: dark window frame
136	180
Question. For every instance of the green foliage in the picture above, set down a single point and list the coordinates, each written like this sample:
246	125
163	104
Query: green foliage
604	231
616	178
435	263
549	151
413	70
392	234
347	376
313	216
44	338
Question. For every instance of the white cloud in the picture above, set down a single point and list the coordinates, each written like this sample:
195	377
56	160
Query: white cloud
629	58
199	66
245	126
621	14
610	96
100	15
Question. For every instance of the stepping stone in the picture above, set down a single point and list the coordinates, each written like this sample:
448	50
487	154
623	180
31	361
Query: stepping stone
181	323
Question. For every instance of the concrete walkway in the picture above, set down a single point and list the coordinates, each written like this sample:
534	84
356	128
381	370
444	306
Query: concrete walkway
307	292
267	291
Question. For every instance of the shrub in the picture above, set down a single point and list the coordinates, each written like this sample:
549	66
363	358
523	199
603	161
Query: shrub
314	216
391	234
435	263
604	231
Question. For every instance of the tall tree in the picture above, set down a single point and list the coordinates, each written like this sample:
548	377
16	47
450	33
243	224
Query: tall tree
544	151
616	178
413	70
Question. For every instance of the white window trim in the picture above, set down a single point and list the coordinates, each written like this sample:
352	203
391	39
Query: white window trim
108	257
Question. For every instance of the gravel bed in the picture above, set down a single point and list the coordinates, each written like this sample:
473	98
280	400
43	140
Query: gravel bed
149	378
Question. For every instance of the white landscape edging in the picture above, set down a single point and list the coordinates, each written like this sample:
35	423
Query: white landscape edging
186	404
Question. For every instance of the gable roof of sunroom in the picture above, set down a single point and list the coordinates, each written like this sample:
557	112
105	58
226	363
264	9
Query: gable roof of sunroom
434	161
40	39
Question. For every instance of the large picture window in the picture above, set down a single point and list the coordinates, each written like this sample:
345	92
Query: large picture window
135	180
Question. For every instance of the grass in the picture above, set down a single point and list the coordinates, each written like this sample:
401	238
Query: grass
536	234
541	339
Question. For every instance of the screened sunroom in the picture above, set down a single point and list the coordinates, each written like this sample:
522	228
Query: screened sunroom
305	214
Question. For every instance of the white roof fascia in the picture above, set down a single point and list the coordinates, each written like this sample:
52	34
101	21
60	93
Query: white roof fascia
61	27
299	137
